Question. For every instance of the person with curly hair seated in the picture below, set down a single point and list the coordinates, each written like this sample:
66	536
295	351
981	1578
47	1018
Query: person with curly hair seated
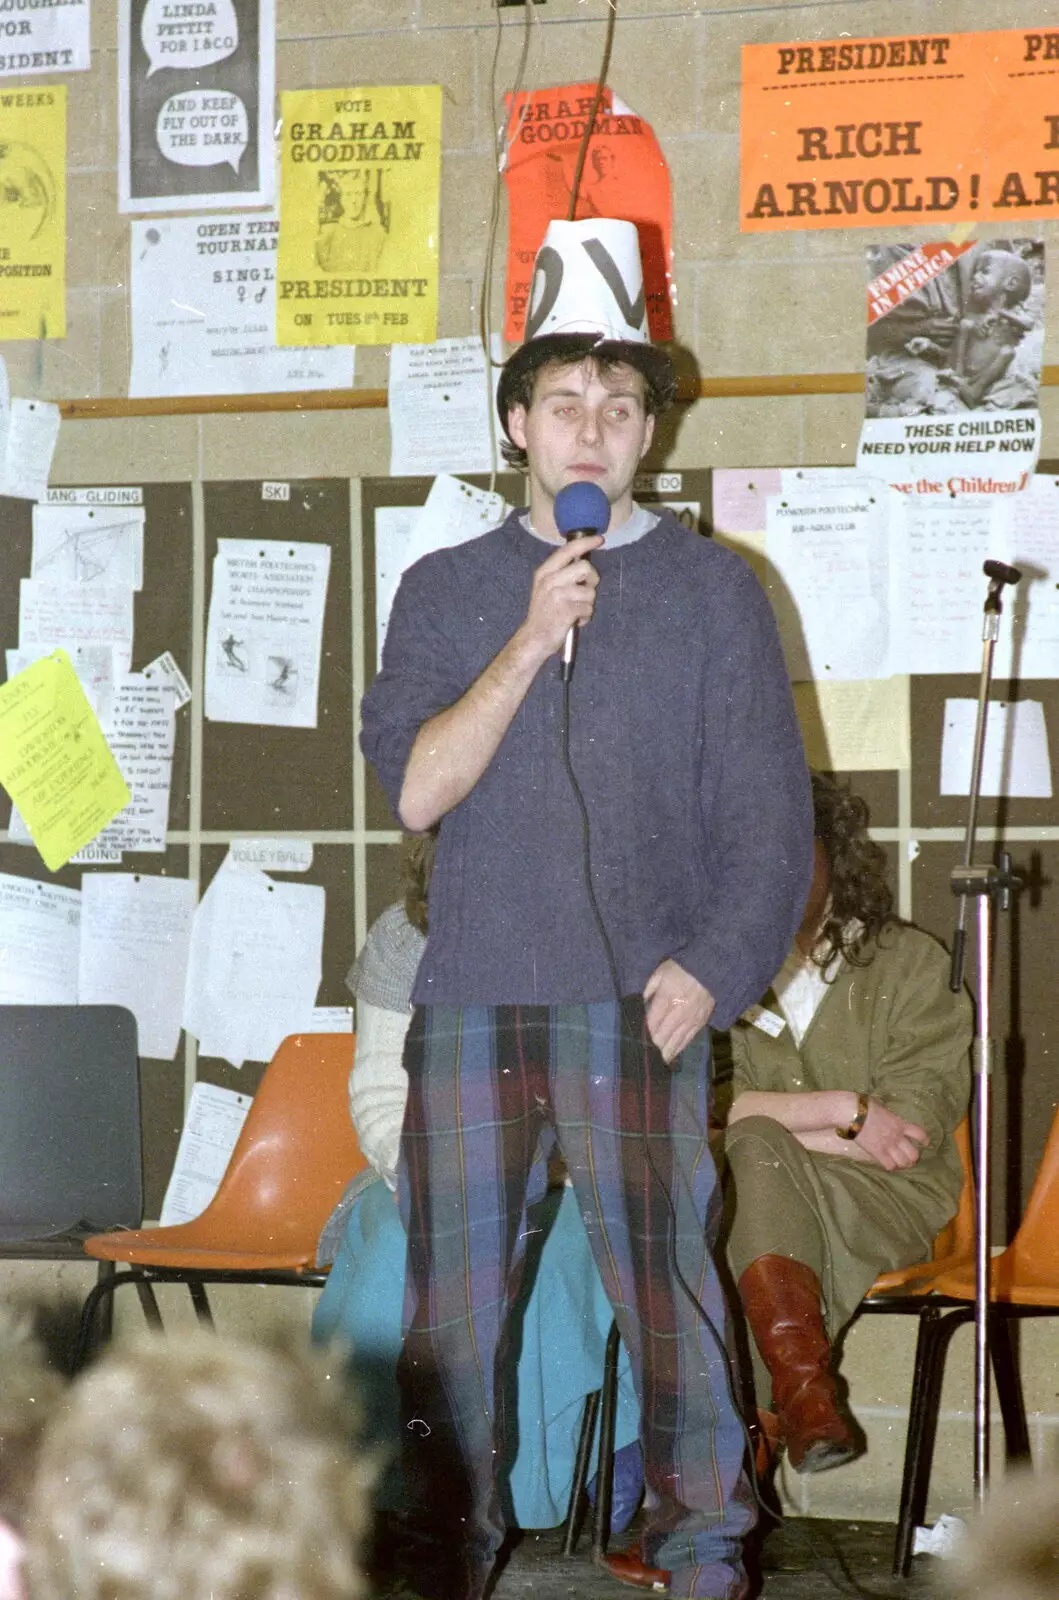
848	1081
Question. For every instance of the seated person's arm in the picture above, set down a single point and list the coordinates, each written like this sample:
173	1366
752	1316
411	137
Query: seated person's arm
378	1086
799	1112
886	1139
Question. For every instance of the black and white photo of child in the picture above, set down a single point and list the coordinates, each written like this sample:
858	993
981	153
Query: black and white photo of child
971	339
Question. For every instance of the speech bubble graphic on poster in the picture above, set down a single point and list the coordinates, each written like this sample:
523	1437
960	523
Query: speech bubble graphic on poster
203	128
204	32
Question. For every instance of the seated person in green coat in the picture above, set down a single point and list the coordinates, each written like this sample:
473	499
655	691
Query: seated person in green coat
848	1080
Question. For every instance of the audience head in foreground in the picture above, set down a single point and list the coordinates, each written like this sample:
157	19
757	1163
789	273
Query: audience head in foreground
199	1469
1012	1551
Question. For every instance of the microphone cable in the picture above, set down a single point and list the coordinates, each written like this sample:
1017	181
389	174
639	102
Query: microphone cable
851	1586
633	1032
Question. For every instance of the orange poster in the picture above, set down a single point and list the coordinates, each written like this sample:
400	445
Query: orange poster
922	128
625	176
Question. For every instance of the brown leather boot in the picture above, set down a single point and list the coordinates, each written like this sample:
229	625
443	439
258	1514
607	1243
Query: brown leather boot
781	1299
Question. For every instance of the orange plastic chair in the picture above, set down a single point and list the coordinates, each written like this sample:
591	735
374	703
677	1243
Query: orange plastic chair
941	1293
1024	1282
912	1291
294	1157
954	1246
1024	1278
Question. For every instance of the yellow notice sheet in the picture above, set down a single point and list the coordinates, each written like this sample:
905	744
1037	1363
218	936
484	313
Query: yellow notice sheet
33	213
859	726
358	230
54	760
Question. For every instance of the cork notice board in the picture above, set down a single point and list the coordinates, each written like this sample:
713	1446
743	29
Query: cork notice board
234	780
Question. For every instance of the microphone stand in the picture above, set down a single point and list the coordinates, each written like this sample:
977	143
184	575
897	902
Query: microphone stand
988	885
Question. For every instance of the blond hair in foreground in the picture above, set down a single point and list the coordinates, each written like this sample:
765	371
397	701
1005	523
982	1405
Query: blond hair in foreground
199	1469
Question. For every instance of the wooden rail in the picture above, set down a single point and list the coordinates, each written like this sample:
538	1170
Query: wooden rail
688	391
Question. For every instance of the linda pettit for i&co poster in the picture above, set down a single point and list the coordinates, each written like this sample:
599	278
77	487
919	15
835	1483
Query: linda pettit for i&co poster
196	83
955	343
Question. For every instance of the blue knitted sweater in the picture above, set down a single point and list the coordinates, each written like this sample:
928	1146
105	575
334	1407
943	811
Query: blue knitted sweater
685	744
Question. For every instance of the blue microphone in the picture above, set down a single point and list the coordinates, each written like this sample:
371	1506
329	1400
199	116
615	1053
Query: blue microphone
580	509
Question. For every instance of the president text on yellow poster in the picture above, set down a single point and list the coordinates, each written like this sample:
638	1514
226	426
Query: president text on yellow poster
358	240
33	213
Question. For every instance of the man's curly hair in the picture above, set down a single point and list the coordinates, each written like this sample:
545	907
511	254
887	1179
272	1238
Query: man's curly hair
857	867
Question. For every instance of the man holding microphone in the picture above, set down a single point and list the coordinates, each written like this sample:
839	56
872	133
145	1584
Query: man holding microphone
623	859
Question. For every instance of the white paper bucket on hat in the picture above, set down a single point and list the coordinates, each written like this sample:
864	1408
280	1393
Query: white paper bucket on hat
588	278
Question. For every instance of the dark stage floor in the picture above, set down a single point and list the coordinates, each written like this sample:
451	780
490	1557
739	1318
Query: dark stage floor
803	1560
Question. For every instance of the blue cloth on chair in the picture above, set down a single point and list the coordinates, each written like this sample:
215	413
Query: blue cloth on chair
565	1319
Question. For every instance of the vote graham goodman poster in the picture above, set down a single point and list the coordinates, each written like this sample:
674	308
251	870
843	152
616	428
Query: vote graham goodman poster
932	128
358	233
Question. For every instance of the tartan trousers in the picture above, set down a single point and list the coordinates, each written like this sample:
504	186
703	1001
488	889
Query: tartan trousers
492	1090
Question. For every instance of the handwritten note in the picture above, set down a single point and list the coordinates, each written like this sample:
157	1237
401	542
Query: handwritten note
140	732
69	614
28	435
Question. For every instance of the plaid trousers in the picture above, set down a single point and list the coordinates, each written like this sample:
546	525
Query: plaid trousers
492	1090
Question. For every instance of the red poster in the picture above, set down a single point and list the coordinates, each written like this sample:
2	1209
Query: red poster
625	176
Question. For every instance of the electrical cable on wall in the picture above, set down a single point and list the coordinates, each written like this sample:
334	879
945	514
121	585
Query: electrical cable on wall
501	149
601	84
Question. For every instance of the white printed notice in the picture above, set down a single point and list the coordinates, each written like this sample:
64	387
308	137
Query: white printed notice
441	403
265	630
394	526
196	89
1032	606
212	1127
140	733
29	430
40	936
256	961
38	38
88	544
828	581
453	512
203	302
136	934
1015	758
66	615
164	669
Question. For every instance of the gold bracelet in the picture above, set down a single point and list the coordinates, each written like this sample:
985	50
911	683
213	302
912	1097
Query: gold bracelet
858	1121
